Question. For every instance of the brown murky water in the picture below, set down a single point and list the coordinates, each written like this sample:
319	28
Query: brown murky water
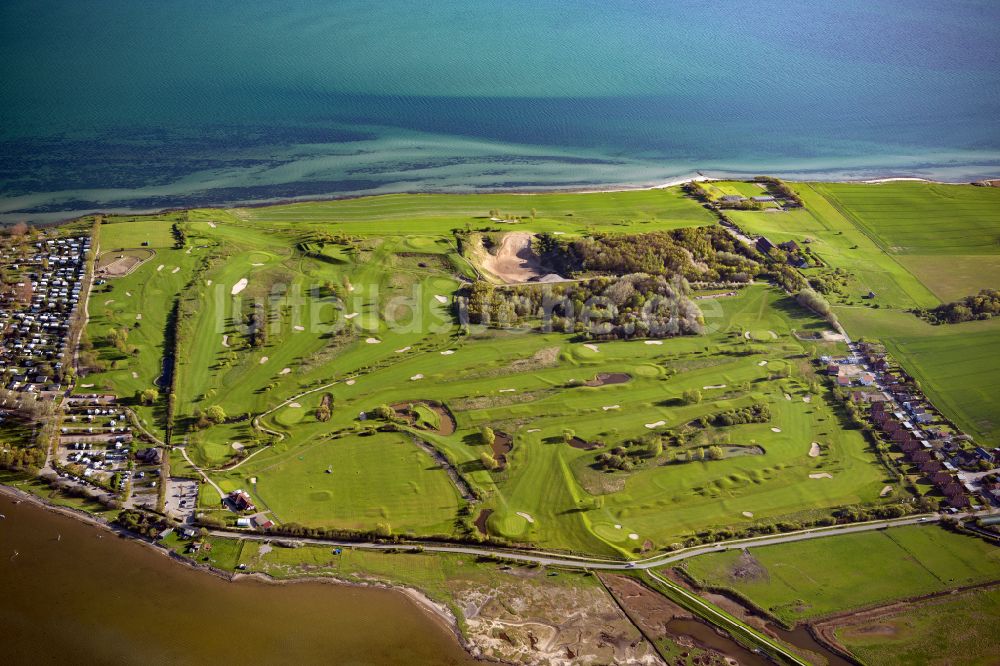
70	593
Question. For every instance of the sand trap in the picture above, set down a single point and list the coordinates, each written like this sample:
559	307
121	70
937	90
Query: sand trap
351	382
86	385
138	317
416	377
447	352
762	363
403	350
159	268
237	446
211	224
294	405
534	430
618	527
885	491
299	328
188	251
352	315
256	264
263	360
526	516
225	340
128	293
135	375
558	233
176	269
775	429
656	425
821	475
814	450
285	371
654	342
774	336
807	398
747	335
608	407
713	386
748	514
109	301
239	286
441	299
507	390
350	287
208	283
633	536
788	397
373	341
593	348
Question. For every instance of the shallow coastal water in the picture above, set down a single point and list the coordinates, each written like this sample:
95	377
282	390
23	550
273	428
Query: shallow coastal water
72	593
138	104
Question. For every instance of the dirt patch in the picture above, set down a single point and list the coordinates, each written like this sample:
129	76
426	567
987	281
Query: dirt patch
821	475
608	378
578	443
747	568
502	445
480	523
515	261
885	491
121	262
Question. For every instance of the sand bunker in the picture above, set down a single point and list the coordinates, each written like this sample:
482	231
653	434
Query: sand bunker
352	315
351	382
211	224
774	336
299	328
447	352
654	342
713	386
593	348
294	405
748	514
507	390
285	371
239	286
441	299
159	268
821	475
762	363
788	397
135	375
775	429
609	407
138	317
807	398
656	424
515	260
416	377
373	341
633	536
885	491
533	430
814	450
526	516
403	350
176	269
225	340
128	293
747	335
208	283
109	301
263	360
256	264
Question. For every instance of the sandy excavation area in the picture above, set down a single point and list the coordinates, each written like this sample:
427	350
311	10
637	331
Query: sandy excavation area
515	261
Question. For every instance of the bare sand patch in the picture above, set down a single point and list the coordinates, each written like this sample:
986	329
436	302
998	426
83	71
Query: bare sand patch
263	360
653	342
821	475
285	371
593	348
294	405
814	450
775	429
655	424
713	386
748	514
610	407
416	377
403	350
447	352
526	516
747	335
160	268
351	382
885	491
515	261
762	363
239	286
373	341
351	315
225	340
176	269
440	299
299	328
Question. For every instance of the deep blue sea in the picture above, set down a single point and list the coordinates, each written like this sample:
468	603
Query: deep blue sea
135	104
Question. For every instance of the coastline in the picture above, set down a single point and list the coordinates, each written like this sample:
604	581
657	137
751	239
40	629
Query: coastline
438	612
58	218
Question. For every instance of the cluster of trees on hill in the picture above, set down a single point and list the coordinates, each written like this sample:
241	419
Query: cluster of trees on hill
984	305
707	254
755	413
630	306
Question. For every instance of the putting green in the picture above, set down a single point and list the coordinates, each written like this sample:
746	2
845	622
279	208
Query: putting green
507	525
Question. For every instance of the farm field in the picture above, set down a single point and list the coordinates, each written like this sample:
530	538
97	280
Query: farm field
928	632
807	580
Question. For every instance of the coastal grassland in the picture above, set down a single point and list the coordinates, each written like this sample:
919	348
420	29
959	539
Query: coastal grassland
354	483
931	632
139	304
957	365
805	580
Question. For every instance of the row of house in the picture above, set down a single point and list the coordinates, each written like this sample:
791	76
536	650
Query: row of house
37	301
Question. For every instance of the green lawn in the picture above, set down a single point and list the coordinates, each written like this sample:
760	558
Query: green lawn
810	579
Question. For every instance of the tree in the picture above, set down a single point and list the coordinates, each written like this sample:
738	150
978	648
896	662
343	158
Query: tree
149	396
692	397
384	412
215	414
489	462
383	530
568	436
487	435
714	453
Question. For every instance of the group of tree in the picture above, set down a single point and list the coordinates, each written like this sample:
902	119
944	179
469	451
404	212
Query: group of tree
257	325
140	522
810	298
213	415
756	413
325	409
984	305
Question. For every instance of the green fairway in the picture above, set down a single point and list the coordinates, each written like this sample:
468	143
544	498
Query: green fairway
810	579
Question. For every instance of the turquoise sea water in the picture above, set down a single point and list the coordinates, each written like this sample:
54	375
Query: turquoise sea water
134	104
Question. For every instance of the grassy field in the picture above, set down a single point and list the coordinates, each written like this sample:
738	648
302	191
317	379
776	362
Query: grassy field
930	632
810	579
